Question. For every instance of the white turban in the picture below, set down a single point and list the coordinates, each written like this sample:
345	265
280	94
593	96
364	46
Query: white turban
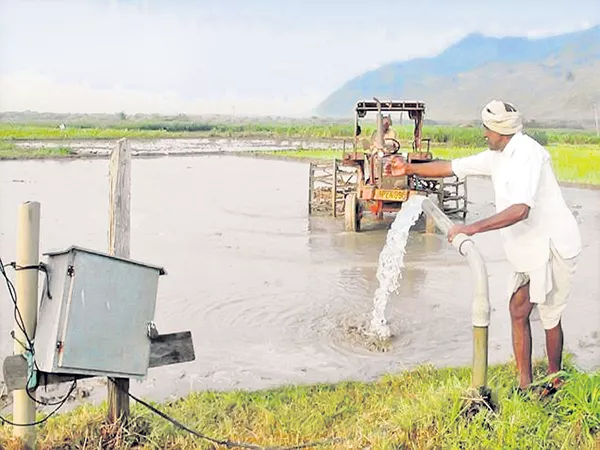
502	117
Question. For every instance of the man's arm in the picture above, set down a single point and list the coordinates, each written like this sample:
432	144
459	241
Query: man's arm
478	164
503	219
435	169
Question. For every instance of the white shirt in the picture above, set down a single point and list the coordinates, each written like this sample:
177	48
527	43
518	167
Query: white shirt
522	173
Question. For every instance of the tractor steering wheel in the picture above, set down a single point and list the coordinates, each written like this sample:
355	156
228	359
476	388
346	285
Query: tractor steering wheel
396	145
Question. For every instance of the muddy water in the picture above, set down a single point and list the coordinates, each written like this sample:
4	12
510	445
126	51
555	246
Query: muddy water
272	295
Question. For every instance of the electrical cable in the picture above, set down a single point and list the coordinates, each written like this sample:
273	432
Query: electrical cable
28	345
38	422
226	443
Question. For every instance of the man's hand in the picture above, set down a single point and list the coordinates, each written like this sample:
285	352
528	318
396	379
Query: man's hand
398	166
458	229
503	219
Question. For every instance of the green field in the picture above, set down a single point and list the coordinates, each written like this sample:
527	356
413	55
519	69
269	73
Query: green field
572	164
419	409
575	153
446	135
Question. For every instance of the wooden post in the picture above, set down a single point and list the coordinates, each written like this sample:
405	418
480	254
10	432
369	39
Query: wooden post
311	182
334	189
596	119
28	249
118	245
120	200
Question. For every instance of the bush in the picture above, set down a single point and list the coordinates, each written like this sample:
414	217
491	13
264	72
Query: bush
540	136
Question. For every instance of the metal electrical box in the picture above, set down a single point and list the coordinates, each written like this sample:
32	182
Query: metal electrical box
95	313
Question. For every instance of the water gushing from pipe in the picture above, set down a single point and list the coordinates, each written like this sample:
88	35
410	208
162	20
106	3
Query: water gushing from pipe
391	262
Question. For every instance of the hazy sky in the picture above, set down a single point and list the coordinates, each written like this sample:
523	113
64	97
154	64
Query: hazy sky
235	56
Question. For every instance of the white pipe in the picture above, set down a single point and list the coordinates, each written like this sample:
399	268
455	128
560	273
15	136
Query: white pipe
28	249
480	314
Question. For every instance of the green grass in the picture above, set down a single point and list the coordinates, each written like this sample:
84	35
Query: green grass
447	135
11	151
572	164
417	409
26	132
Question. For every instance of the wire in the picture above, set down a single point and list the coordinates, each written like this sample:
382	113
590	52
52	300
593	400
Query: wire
58	402
226	443
41	267
38	422
28	345
17	313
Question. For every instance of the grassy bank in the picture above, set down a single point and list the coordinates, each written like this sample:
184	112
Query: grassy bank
9	150
447	135
572	164
422	408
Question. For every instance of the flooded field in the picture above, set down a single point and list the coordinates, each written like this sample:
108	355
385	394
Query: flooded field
271	295
179	146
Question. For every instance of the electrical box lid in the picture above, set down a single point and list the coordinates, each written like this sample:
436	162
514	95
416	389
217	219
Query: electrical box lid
75	248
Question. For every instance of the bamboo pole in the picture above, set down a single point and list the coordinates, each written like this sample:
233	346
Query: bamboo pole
28	248
480	357
119	241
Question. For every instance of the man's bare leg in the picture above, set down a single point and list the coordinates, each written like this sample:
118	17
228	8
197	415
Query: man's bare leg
520	309
554	348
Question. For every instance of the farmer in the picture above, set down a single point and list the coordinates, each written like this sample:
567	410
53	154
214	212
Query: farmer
388	133
540	234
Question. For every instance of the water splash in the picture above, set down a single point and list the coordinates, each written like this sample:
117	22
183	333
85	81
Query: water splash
391	261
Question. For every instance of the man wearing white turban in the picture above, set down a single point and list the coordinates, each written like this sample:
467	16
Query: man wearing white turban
540	234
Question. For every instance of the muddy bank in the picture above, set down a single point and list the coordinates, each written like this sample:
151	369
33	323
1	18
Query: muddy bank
271	295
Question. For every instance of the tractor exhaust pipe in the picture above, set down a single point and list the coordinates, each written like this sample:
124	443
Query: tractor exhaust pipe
481	304
379	132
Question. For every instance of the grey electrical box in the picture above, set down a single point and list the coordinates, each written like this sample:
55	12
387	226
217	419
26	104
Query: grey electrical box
95	313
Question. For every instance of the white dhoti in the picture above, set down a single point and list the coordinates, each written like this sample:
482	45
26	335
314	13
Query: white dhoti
549	287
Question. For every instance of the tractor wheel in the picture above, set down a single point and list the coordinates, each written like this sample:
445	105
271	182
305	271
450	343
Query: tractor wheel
351	213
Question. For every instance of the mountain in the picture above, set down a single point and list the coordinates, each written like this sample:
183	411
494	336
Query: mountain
550	79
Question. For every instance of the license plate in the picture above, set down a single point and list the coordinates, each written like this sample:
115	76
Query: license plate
391	194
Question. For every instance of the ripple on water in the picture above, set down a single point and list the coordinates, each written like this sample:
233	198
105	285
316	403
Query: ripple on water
283	311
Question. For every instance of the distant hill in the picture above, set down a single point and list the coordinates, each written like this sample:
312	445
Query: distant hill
554	79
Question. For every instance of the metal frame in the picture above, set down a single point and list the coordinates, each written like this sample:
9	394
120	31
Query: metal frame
384	192
416	112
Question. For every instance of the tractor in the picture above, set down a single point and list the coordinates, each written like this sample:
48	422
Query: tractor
377	189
